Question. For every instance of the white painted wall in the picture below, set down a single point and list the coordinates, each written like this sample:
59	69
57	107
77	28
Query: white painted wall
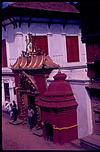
19	43
84	113
79	74
78	79
11	81
57	48
3	95
56	41
15	40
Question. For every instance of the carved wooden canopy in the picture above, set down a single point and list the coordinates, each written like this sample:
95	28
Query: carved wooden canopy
34	60
28	84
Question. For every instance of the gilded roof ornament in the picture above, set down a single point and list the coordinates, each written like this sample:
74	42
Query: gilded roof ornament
33	58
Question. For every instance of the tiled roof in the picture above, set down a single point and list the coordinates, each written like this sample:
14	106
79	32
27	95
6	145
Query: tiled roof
49	6
36	62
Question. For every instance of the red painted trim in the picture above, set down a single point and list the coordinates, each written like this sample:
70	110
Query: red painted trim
72	49
41	42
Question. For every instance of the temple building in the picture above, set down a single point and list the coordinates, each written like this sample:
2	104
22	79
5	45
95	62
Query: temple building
31	70
90	21
38	38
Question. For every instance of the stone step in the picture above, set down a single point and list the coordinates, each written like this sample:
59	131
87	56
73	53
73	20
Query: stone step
91	142
76	143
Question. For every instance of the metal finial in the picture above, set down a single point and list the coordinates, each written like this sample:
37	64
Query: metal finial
59	70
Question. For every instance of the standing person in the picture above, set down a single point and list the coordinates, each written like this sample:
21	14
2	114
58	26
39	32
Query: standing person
30	117
50	132
46	130
15	111
38	116
14	104
10	111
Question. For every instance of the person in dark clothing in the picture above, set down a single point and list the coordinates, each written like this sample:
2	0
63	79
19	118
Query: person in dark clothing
11	112
14	104
15	111
30	117
49	131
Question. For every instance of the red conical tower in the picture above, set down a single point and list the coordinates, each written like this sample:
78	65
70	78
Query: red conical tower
58	107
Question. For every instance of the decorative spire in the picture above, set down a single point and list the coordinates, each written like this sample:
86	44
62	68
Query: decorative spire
34	57
60	76
59	70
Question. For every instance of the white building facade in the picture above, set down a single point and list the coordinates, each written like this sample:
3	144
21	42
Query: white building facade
58	49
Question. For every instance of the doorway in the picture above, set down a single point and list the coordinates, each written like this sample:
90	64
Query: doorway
31	101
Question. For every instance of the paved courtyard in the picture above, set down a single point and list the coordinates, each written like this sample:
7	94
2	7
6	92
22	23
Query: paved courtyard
20	137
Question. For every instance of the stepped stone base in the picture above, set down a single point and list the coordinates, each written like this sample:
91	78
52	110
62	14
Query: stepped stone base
91	142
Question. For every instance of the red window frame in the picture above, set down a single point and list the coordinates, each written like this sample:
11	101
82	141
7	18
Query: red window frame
40	42
72	48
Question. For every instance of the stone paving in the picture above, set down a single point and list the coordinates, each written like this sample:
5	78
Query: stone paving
20	137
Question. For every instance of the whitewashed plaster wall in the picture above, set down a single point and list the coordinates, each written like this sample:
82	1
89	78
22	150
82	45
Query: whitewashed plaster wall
15	42
56	41
78	79
11	81
84	110
12	52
